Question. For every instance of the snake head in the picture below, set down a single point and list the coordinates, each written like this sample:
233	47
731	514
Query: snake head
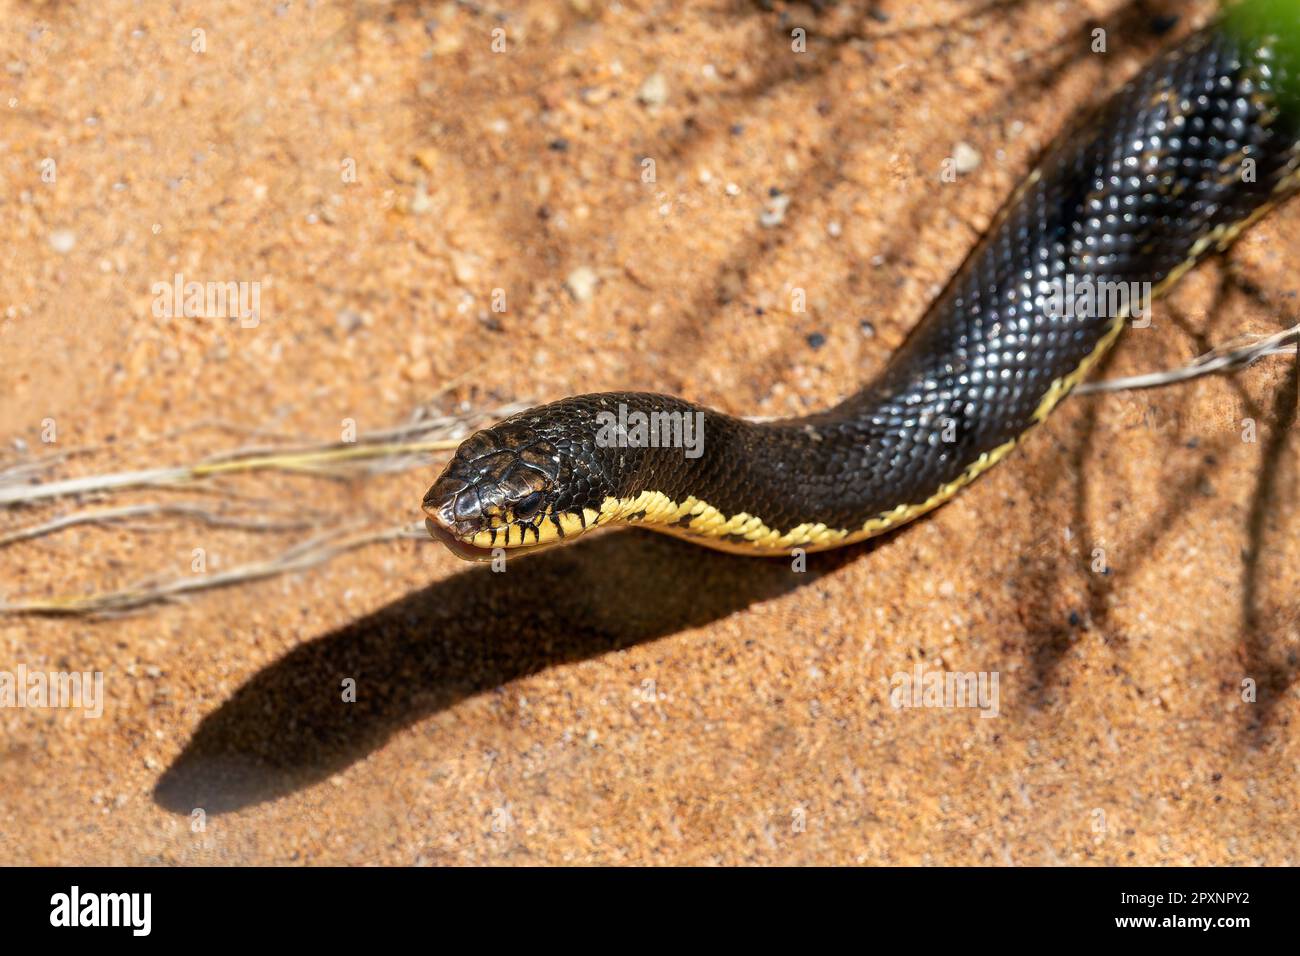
501	489
545	476
494	491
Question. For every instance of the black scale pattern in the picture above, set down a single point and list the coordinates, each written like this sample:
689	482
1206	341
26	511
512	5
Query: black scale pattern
1123	198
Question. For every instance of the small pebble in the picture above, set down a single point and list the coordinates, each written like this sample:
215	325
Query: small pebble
581	283
867	329
816	340
966	159
462	267
63	240
774	211
654	91
420	202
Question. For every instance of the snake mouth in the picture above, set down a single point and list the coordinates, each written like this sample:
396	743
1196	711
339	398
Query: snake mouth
472	552
467	552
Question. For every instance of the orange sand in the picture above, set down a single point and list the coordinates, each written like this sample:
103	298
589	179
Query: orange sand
630	699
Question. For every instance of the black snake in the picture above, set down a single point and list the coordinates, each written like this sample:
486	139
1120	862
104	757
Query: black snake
1173	166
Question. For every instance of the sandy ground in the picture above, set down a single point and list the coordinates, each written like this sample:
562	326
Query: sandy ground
382	173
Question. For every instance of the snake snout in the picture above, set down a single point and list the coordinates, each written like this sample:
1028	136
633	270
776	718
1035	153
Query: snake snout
455	506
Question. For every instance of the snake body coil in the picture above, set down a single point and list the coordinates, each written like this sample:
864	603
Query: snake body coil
1173	166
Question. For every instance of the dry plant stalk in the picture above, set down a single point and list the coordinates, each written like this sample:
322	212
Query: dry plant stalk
379	452
299	557
394	449
1232	356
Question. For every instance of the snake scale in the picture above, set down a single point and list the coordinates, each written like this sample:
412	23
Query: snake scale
1172	167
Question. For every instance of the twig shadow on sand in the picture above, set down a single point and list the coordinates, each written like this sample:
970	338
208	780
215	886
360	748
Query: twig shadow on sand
288	727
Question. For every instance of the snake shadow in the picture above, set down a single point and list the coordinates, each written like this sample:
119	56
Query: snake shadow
288	727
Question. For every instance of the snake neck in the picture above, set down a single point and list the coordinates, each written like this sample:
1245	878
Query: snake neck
1171	168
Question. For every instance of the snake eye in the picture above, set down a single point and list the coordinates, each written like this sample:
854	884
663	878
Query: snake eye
529	506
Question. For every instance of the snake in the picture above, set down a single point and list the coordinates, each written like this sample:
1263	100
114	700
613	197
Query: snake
1172	167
